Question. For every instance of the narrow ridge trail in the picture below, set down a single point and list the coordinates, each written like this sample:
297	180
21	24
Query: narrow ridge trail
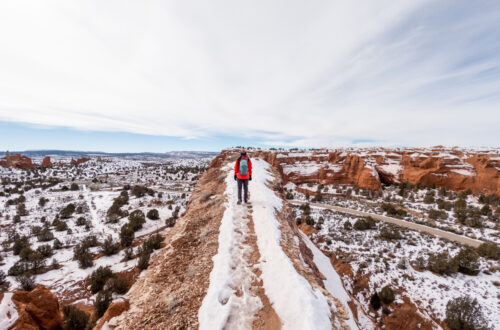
259	278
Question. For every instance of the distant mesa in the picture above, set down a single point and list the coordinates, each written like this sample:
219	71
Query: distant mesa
17	161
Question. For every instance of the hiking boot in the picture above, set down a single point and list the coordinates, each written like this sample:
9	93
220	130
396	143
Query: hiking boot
239	202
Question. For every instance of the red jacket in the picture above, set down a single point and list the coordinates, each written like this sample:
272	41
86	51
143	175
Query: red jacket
237	168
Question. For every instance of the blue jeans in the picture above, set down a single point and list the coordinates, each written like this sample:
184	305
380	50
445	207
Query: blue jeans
244	183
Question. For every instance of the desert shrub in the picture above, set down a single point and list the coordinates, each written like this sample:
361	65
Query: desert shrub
136	220
289	195
117	284
74	187
126	235
437	214
347	225
444	205
429	198
489	250
4	284
45	250
75	319
59	225
90	241
386	295
81	221
464	313
26	282
67	211
99	277
364	223
19	244
102	302
143	261
170	222
26	253
42	201
153	214
57	244
21	210
115	213
442	263
390	233
141	191
392	210
305	208
19	268
460	204
309	220
153	243
35	230
375	301
82	254
45	235
492	199
468	261
109	248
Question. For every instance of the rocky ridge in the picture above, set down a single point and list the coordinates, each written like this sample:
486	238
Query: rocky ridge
454	168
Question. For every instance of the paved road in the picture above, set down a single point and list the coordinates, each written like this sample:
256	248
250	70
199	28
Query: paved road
410	225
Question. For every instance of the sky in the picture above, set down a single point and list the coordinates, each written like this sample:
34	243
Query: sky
203	75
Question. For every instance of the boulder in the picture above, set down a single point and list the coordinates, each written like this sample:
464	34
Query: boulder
37	309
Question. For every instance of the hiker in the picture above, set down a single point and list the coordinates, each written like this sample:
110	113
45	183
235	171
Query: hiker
243	173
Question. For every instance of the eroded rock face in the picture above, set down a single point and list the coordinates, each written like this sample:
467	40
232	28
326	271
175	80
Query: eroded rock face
79	160
38	309
17	161
46	162
453	168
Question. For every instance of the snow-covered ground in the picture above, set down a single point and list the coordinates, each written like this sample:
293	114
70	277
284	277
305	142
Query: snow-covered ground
486	228
387	262
97	185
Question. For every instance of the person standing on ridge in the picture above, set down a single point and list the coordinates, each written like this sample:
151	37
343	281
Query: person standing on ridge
243	174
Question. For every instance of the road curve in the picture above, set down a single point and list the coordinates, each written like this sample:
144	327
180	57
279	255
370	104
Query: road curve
402	223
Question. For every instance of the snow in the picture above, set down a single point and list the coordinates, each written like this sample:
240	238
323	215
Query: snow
463	172
332	280
394	169
8	311
298	305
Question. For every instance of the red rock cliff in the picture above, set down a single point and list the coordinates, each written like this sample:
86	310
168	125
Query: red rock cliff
453	168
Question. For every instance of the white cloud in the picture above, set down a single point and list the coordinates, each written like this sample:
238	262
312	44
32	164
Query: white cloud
301	73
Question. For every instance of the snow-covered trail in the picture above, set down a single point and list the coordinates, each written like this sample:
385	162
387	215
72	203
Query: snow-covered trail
93	212
231	302
229	299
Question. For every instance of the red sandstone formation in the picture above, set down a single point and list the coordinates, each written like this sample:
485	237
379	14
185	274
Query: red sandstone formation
455	169
46	162
17	161
79	160
38	309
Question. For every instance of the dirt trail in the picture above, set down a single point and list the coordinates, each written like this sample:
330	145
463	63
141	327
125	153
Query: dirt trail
402	223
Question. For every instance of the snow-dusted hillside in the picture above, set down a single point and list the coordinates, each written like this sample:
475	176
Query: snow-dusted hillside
49	212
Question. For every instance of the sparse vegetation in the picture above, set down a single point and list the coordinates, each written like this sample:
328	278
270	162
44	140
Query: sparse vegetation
464	313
